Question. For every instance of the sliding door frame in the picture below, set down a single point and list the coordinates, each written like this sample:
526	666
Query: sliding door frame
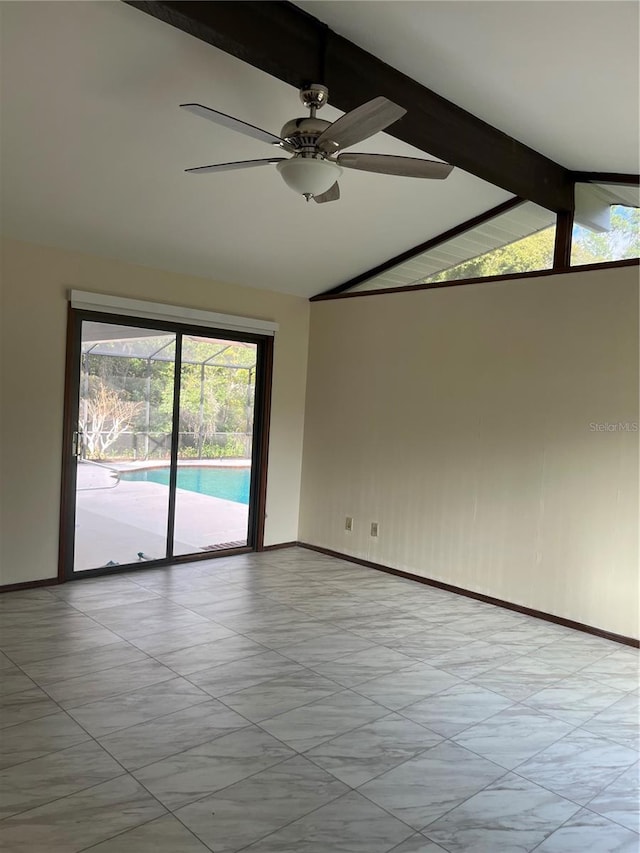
260	444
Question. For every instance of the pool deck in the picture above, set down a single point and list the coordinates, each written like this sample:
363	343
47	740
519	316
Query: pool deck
116	519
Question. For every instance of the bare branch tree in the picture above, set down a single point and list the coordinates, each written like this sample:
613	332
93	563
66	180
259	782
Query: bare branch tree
104	418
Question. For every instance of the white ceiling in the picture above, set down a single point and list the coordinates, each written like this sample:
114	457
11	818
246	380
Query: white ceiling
94	145
560	76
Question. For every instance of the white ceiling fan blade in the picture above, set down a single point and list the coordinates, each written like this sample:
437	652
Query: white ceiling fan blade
232	123
332	194
359	124
229	167
388	164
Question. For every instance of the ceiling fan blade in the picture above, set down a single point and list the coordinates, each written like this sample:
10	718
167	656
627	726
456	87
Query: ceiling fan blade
332	194
388	164
229	167
232	123
359	124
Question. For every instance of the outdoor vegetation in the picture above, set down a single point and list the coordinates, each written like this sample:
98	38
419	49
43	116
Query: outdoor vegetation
126	402
535	252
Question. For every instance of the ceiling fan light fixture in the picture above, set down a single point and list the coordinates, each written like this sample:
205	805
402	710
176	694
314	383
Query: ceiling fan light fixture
309	176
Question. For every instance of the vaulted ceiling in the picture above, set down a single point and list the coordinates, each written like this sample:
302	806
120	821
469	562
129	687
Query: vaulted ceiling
94	145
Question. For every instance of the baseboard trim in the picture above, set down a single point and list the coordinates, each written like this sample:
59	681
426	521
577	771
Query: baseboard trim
279	545
16	587
479	596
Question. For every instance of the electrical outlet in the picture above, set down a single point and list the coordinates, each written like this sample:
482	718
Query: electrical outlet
374	528
348	524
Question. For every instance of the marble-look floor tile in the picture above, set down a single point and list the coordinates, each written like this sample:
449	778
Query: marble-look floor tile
513	735
474	658
619	722
17	628
389	626
575	699
579	766
509	815
162	835
35	738
76	822
325	648
424	788
108	682
161	737
82	663
521	677
406	686
251	809
5	663
13	680
204	656
162	643
418	844
34	783
96	587
279	695
620	670
128	709
570	655
620	801
206	592
481	625
148	617
263	616
587	831
207	768
28	601
288	634
309	726
350	824
29	705
532	634
367	752
358	667
69	642
456	708
111	598
242	673
428	644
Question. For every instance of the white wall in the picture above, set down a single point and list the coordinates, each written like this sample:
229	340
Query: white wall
35	281
459	420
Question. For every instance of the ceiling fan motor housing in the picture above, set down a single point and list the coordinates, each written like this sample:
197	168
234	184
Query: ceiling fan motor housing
301	133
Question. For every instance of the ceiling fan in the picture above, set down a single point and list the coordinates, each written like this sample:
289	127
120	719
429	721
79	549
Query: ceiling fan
316	164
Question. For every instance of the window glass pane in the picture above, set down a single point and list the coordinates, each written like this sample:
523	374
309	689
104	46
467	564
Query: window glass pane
534	252
217	392
519	240
622	241
124	425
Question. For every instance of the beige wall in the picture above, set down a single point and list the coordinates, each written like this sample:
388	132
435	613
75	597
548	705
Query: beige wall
459	420
34	282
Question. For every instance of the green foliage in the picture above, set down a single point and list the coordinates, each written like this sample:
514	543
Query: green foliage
217	389
617	244
536	251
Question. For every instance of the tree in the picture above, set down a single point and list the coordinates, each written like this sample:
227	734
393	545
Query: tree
104	416
535	252
620	242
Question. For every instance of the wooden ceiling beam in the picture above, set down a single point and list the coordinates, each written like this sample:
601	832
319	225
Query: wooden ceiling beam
282	40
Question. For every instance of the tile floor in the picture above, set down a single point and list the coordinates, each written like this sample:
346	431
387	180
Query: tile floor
289	702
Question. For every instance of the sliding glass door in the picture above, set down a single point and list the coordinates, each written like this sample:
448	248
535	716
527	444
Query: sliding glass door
165	427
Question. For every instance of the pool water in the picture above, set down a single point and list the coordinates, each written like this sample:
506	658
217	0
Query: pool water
231	484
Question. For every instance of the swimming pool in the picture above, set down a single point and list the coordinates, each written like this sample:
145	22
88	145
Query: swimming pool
231	484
